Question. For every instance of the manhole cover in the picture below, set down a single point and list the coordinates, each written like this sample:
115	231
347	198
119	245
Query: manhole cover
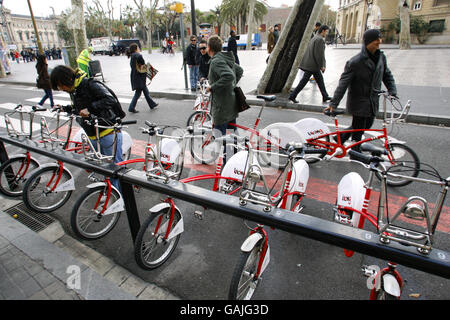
34	220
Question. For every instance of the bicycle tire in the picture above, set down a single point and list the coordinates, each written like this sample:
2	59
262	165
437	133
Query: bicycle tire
142	251
191	121
408	166
205	150
13	164
243	274
35	194
83	202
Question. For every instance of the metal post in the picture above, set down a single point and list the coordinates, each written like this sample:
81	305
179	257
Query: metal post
194	24
38	40
183	48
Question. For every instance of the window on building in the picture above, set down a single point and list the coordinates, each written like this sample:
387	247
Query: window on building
441	3
20	35
417	5
436	25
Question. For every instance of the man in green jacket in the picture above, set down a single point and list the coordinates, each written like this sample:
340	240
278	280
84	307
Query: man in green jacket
83	60
223	75
313	63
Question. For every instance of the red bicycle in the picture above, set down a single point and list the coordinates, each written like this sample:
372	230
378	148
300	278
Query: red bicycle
397	154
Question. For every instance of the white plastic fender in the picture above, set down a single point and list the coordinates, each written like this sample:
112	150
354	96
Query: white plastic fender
299	177
127	141
311	128
169	150
177	229
351	193
282	133
250	243
117	206
391	285
236	167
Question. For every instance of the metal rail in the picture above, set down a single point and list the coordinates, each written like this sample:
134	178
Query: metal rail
437	262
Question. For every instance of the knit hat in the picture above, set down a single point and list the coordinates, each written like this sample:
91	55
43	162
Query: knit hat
371	35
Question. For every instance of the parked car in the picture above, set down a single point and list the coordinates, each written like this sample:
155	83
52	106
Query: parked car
119	47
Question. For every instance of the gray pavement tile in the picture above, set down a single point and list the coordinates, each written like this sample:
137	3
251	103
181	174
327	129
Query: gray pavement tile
30	287
40	295
19	275
44	278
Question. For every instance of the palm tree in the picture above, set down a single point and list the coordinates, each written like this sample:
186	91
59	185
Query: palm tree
236	12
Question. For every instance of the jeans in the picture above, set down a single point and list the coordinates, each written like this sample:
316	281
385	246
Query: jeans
137	94
48	94
193	76
304	80
106	148
223	131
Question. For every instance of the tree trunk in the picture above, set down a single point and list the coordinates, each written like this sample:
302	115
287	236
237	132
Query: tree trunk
286	55
405	35
250	24
79	27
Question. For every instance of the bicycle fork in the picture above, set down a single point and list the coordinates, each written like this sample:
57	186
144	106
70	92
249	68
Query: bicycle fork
249	244
387	280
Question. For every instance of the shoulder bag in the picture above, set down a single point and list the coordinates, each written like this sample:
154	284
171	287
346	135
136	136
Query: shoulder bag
241	100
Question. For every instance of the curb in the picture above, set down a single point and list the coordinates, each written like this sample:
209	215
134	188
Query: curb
284	103
56	251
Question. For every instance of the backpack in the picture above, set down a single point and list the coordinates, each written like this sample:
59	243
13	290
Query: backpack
117	108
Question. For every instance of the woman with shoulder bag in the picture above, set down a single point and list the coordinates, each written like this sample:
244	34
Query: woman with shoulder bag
138	79
43	80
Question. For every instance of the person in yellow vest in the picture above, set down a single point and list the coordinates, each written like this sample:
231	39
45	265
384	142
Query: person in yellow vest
83	60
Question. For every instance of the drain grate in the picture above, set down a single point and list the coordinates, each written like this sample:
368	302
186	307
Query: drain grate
34	220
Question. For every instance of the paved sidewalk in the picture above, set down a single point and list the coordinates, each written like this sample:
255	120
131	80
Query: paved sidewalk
418	77
50	265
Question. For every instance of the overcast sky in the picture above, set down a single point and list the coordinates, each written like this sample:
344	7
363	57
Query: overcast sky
43	7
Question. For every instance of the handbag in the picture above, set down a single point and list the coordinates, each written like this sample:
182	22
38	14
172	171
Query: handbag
241	100
148	69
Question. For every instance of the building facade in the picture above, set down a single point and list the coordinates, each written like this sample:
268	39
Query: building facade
355	16
18	31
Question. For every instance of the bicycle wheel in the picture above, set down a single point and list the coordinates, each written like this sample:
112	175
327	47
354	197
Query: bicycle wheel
405	162
14	174
204	148
86	220
200	119
38	197
151	249
244	282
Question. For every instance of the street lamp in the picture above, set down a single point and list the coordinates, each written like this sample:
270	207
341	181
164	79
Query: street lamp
178	8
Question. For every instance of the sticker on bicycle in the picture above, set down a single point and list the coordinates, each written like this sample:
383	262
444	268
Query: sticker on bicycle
176	230
117	206
66	186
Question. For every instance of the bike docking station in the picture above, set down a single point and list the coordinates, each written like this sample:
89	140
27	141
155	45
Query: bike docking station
435	261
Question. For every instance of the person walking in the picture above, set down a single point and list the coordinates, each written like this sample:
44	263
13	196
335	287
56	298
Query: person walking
43	81
223	75
270	42
83	60
232	46
191	58
313	63
138	80
362	76
203	67
17	56
91	97
276	34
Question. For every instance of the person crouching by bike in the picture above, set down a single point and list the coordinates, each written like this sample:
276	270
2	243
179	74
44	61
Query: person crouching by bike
223	75
362	76
90	97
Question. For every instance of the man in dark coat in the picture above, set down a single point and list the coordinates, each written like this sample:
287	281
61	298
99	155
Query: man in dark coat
362	76
313	63
232	45
203	68
191	58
